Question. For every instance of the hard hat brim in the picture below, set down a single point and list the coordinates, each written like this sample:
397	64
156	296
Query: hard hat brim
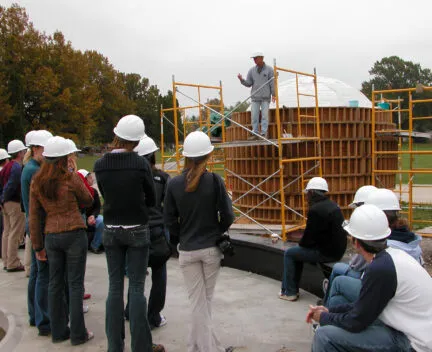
352	233
196	155
127	138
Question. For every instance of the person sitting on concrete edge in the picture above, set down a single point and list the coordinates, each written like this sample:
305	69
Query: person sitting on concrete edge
400	238
324	239
94	219
357	264
393	311
260	78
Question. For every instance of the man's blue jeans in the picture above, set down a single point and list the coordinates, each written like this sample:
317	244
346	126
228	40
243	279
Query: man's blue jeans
294	258
67	253
99	228
344	290
377	338
37	294
340	269
131	245
256	106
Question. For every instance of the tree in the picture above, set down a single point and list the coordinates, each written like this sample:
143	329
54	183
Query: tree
395	73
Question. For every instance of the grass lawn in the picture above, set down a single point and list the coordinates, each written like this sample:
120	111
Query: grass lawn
420	161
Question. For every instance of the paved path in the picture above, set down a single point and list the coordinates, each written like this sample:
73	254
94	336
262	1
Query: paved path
247	312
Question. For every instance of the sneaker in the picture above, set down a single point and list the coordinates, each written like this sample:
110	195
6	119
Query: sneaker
288	298
85	308
158	348
325	285
14	270
163	321
265	135
96	251
230	349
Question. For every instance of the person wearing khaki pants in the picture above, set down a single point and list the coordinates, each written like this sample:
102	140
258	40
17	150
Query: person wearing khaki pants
13	222
200	270
197	211
10	196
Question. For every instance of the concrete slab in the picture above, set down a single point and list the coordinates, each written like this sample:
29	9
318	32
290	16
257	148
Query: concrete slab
246	312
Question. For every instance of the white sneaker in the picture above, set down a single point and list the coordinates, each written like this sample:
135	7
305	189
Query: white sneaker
85	308
163	321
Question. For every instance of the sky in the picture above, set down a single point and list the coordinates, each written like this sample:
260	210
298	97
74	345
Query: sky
203	42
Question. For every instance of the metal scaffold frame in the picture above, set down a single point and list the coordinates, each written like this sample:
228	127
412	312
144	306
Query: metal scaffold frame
400	132
281	140
216	162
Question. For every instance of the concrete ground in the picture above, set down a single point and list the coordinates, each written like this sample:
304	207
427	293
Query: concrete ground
246	312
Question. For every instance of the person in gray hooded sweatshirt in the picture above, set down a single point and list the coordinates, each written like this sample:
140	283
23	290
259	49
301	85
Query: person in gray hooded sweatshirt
260	78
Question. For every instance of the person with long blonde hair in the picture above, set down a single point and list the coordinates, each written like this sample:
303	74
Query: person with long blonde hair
197	211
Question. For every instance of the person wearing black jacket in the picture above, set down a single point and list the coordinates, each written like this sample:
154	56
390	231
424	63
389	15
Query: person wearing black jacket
126	183
158	234
324	239
197	215
94	219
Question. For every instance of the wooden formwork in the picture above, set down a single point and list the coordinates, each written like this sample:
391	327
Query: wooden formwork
346	160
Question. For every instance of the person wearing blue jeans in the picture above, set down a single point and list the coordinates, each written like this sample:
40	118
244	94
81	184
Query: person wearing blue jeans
392	311
126	183
57	232
127	247
340	269
344	290
37	289
323	240
38	295
95	245
260	78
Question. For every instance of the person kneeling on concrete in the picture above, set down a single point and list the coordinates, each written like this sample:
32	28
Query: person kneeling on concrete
324	239
94	220
393	310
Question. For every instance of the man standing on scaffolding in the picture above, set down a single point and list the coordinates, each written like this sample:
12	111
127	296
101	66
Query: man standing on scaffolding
260	78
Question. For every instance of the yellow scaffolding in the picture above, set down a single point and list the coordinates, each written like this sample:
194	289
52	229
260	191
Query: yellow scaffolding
216	163
298	138
278	143
400	132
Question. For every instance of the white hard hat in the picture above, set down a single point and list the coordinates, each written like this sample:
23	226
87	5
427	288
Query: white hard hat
28	138
146	146
317	183
130	128
4	154
39	138
15	146
384	199
362	194
84	172
256	54
368	223
56	147
197	144
73	146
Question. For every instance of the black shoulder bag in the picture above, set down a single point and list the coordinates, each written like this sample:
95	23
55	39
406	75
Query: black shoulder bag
224	241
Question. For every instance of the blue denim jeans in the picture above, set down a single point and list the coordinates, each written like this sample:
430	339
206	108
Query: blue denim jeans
256	107
37	294
99	228
67	253
131	245
344	290
340	269
377	338
294	258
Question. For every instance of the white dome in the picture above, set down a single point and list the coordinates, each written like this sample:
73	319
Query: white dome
331	93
